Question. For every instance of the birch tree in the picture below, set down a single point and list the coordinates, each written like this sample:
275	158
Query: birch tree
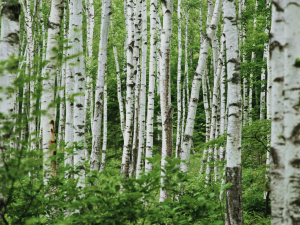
102	61
120	100
166	106
143	90
61	128
69	133
151	89
129	92
30	67
215	109
9	45
200	71
277	151
234	213
137	73
79	89
104	144
177	153
48	119
291	112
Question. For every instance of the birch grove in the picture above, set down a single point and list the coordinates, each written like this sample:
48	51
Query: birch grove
98	115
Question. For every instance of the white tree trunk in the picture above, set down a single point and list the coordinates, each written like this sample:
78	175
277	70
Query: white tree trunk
223	110
158	23
165	103
120	100
178	136
130	90
186	65
277	152
141	147
200	25
215	109
103	159
251	74
291	112
48	120
62	116
200	71
151	90
234	213
137	73
69	134
102	61
207	124
79	77
9	45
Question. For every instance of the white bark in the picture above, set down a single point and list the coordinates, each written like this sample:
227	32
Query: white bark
102	61
291	112
79	77
251	74
215	109
178	81
48	120
141	147
200	25
120	100
130	89
186	65
200	71
210	11
9	45
165	103
158	24
61	128
277	152
69	134
207	123
223	100
151	90
234	213
104	144
137	73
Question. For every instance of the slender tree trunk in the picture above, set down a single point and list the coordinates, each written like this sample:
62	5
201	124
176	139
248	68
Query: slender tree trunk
215	108
186	65
48	120
130	91
277	152
141	147
251	74
102	61
291	112
223	110
200	25
137	73
79	77
120	100
62	116
69	133
234	213
207	126
165	103
159	127
151	90
188	136
178	81
103	160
